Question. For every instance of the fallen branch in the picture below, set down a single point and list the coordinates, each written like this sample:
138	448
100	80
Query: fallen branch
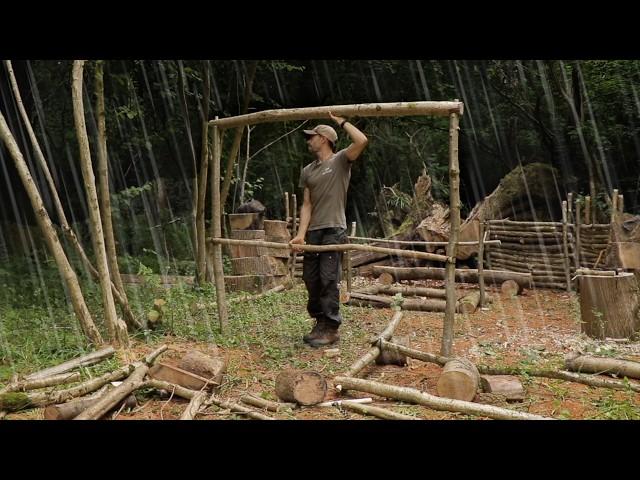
236	408
194	406
267	404
89	359
25	385
608	366
375	411
412	395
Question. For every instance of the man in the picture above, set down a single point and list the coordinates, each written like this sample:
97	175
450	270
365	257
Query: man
323	222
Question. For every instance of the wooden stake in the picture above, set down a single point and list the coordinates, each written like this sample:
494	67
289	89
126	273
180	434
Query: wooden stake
588	217
565	247
578	229
218	271
481	264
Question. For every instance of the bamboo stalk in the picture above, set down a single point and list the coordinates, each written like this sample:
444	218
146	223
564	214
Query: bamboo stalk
442	109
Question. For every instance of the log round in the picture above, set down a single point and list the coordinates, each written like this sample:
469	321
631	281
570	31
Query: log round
459	380
510	288
302	387
393	357
609	306
276	228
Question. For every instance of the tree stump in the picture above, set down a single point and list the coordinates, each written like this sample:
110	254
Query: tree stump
506	385
276	228
459	380
391	357
609	306
510	288
212	368
302	387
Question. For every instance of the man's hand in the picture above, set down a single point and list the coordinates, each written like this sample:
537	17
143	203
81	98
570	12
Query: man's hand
297	240
338	120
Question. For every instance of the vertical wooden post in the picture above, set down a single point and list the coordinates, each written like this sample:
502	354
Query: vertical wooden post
286	207
570	207
614	205
218	271
348	253
487	233
621	203
567	269
481	263
294	231
454	209
587	210
578	228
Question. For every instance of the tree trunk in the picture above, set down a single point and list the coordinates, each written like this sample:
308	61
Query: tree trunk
111	318
51	237
304	388
105	200
609	306
201	243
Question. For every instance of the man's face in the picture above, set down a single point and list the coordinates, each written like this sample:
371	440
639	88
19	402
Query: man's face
314	142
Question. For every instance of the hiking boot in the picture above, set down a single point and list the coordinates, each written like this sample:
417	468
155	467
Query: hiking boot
315	332
328	335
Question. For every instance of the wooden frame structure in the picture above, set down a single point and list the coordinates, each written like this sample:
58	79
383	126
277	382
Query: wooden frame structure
453	110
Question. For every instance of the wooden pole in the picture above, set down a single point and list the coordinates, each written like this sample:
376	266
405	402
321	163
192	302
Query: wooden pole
218	271
349	272
614	205
454	209
570	207
286	207
565	247
481	264
576	251
621	203
294	231
399	109
588	217
334	248
423	244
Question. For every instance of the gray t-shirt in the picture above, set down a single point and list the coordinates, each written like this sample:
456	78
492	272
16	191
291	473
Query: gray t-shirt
328	183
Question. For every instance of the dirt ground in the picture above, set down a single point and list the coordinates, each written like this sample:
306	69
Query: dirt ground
536	328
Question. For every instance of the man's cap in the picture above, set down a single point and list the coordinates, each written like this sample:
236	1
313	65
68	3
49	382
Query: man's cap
325	130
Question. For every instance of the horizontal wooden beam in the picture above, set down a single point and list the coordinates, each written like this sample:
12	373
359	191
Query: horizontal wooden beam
399	109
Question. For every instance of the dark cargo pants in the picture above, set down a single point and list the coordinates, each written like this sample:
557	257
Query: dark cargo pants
321	274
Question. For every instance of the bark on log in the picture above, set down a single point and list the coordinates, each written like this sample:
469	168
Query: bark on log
248	234
406	291
599	365
423	305
508	386
26	385
412	395
390	357
237	408
609	306
510	288
248	283
267	404
493	277
195	404
302	387
374	351
112	398
360	110
258	266
69	410
276	228
469	303
211	368
375	411
83	361
459	380
169	373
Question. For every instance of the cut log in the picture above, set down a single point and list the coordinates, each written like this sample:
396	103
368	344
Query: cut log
248	234
405	291
302	387
86	360
623	255
246	221
211	368
276	228
493	277
25	385
195	404
609	306
510	288
237	408
459	380
258	266
412	395
609	366
469	303
510	387
69	410
393	357
422	305
248	283
171	374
